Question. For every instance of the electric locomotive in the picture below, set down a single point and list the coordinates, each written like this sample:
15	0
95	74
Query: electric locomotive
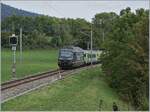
70	57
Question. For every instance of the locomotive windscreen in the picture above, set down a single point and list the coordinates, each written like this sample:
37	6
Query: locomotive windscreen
65	54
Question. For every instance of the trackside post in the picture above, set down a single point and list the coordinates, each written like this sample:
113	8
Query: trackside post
13	41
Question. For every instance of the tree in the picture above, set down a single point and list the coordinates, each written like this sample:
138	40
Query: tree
126	57
102	27
63	31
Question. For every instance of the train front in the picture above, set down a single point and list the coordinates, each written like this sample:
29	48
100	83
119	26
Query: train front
65	58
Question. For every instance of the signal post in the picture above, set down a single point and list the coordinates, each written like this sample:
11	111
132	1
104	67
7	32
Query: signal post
13	41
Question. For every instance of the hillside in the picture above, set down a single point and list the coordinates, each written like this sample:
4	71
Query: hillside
7	10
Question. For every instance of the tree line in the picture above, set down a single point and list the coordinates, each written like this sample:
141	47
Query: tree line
125	60
124	36
45	31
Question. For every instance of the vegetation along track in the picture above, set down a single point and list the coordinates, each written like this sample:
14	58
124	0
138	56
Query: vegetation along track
12	89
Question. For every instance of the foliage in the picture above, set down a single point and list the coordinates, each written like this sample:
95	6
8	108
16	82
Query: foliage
126	57
102	27
45	31
80	92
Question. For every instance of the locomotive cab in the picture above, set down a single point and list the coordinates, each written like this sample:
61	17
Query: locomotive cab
65	58
70	57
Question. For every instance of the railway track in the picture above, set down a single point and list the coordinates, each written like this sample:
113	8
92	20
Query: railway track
17	82
14	88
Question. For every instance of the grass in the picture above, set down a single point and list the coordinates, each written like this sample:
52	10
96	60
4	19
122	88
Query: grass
33	61
80	92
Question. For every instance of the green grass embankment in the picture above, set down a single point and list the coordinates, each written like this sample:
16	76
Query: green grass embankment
80	92
34	61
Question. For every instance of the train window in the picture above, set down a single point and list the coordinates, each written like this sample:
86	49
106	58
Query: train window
94	56
82	55
66	54
78	56
89	56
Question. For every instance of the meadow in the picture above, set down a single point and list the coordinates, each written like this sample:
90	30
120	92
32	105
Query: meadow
79	92
34	61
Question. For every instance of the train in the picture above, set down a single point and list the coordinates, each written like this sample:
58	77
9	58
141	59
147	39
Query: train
72	57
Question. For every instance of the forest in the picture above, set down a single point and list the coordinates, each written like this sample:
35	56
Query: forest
124	36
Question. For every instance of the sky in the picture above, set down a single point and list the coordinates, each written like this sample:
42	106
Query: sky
76	9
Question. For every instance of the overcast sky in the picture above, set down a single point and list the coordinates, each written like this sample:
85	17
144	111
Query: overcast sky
76	9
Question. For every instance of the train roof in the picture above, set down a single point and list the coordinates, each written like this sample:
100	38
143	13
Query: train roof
73	48
78	49
93	51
